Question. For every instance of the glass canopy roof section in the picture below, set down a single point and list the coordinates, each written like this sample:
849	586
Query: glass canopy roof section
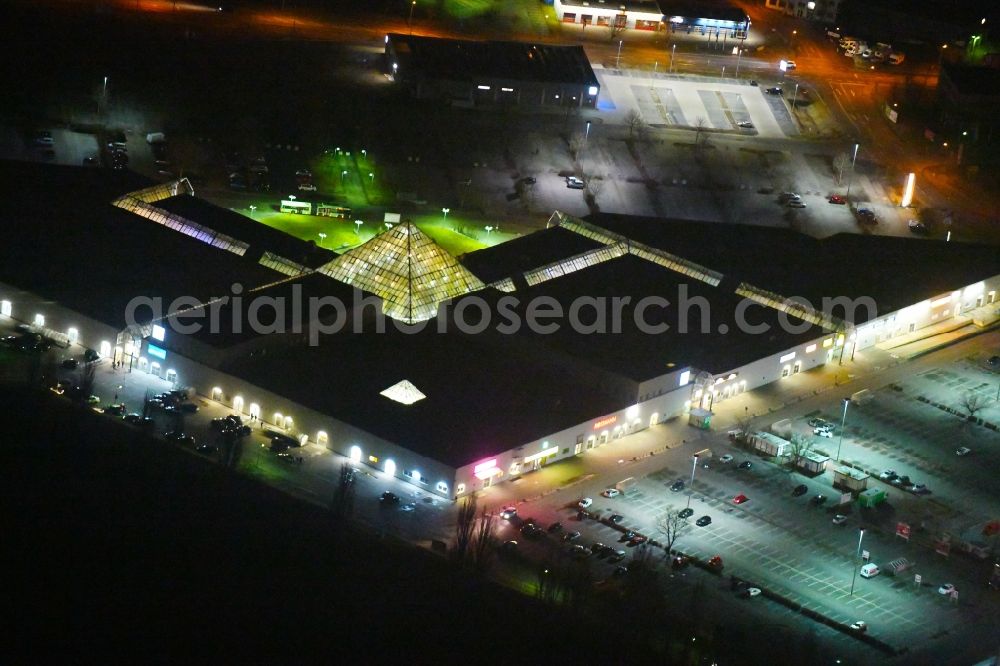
404	392
407	270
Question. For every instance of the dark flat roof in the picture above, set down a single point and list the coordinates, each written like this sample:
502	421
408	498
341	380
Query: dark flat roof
236	327
65	241
526	253
479	400
974	81
465	60
706	9
639	355
260	237
645	6
894	271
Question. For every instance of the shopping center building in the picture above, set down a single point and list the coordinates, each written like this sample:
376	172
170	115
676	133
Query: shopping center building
455	374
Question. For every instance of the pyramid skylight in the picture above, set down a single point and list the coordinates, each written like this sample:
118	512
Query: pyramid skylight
407	270
403	391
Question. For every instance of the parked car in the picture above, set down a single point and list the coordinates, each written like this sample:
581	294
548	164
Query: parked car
888	475
963	451
703	521
555	527
388	497
800	490
745	124
790	65
617	556
207	449
870	570
947	589
839	519
677	485
823	432
774	91
508	512
180	438
740	499
917	227
611	493
685	513
746	464
797	204
860	626
616	518
585	503
727	458
571	536
837	199
70	364
817	500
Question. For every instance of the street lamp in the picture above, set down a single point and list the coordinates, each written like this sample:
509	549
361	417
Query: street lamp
694	467
587	133
446	211
843	419
371	175
252	209
851	176
854	563
618	60
673	49
343	175
357	226
489	229
795	96
409	20
322	237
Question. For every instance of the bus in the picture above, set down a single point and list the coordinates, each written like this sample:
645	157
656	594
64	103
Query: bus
299	207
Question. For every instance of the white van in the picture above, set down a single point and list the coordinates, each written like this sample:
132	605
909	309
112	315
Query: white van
870	571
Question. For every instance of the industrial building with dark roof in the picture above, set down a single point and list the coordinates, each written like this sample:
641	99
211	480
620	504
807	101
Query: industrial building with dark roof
447	374
467	72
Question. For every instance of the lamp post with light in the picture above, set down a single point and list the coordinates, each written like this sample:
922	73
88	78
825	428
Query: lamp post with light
694	468
854	562
409	19
843	420
850	177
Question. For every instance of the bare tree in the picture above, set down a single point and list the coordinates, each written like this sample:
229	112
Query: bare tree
673	527
343	495
743	427
839	162
464	528
634	122
577	142
87	378
483	541
700	125
972	403
800	445
594	186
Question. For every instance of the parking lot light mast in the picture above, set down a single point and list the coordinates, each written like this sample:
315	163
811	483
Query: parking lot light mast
694	467
618	59
850	177
673	50
854	562
843	419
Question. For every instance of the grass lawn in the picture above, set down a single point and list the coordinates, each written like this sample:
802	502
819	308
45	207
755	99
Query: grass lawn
341	234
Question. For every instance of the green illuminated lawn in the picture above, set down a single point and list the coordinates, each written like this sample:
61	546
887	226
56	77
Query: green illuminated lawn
339	233
466	8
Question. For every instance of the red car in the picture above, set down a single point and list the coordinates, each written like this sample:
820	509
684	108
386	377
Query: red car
740	499
837	199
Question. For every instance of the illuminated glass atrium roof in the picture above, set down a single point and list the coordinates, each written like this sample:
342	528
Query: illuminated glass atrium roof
407	270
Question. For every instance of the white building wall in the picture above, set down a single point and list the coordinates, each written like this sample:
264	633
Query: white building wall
60	321
572	441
